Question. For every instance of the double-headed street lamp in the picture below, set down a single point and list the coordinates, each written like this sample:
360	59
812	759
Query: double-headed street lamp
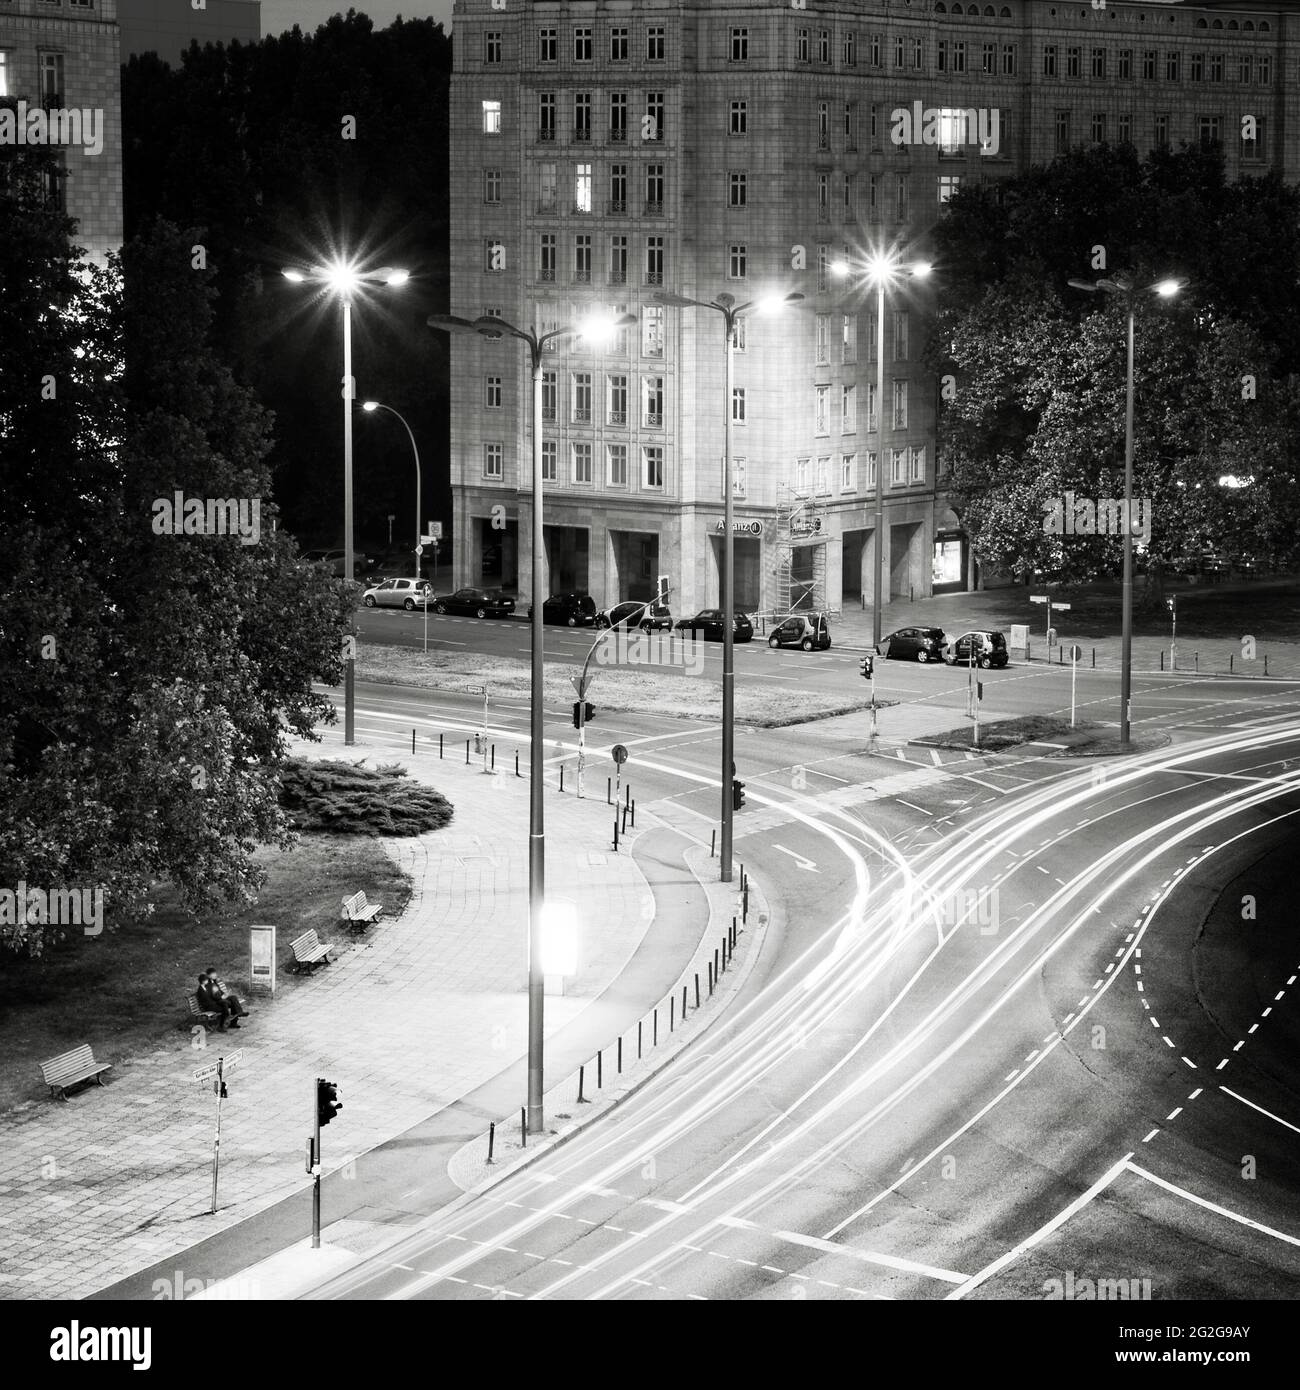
344	279
489	326
1166	289
884	270
725	304
369	407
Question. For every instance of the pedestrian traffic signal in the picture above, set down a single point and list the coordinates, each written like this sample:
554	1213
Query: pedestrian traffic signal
868	665
327	1101
737	794
582	715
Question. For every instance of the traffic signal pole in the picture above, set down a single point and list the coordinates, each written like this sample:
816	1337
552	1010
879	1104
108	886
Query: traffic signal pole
315	1167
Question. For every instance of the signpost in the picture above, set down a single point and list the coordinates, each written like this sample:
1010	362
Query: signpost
1051	604
619	754
217	1072
1076	651
481	739
581	685
1172	604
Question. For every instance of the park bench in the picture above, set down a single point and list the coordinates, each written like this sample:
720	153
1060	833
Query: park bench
70	1068
202	1015
310	950
359	913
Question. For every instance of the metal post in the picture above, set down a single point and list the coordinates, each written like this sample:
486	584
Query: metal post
728	604
1074	667
600	1070
697	989
492	1139
439	747
536	832
877	597
216	1143
1126	636
639	1023
620	1055
582	1100
315	1175
349	390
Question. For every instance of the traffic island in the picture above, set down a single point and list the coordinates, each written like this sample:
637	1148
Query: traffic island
1086	739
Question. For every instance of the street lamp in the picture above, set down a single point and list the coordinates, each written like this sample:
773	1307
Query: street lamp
884	270
488	326
1166	289
370	407
725	304
343	279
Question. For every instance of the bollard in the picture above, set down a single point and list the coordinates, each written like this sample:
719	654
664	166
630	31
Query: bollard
683	1003
1266	663
627	795
713	843
624	820
733	933
523	1126
439	747
717	974
412	740
609	787
1162	658
615	832
516	762
1196	659
582	1100
1230	663
744	906
697	989
600	1071
724	952
654	1032
494	757
467	752
708	965
638	1039
561	776
1094	658
634	815
492	1139
620	1056
672	1012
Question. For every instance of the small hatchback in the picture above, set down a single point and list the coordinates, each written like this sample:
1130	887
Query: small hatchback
399	593
986	648
810	632
914	643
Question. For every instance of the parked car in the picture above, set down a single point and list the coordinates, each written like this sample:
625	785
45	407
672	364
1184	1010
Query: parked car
807	631
707	623
568	610
647	616
399	593
988	647
913	643
476	603
335	560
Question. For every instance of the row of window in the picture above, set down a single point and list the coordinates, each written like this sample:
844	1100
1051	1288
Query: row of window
812	475
49	74
653	47
1069	62
1208	130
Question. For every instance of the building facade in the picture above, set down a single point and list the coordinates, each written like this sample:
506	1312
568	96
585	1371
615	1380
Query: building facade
63	55
603	153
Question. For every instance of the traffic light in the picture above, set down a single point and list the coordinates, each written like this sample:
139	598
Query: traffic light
663	589
868	665
737	794
1171	604
582	716
327	1102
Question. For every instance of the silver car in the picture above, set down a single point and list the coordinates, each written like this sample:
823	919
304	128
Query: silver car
399	593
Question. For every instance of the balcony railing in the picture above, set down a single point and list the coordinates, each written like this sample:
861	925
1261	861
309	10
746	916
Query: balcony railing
548	413
652	420
546	133
581	209
618	417
618	277
618	134
581	136
545	274
616	207
581	416
652	349
654	277
582	277
652	210
547	205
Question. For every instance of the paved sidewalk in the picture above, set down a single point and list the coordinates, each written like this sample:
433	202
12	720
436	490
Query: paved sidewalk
421	1011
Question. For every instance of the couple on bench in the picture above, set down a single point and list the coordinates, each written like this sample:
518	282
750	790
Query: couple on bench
215	996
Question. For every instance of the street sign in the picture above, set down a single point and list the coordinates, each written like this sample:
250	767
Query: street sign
1076	652
1062	606
619	754
419	550
206	1073
580	685
1037	598
475	690
226	1064
230	1062
435	530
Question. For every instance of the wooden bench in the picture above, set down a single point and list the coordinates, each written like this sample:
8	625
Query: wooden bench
202	1015
70	1068
310	950
358	913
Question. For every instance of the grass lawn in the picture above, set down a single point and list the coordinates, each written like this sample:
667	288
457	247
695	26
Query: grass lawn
1086	739
638	690
123	992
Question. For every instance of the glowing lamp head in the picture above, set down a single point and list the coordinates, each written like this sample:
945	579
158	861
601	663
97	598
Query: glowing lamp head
296	276
342	277
921	269
598	329
397	277
839	266
369	405
1166	289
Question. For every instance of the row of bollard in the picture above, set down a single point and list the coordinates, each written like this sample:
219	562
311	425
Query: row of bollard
723	956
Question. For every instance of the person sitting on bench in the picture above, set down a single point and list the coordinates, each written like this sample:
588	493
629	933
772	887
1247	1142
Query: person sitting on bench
227	995
213	1001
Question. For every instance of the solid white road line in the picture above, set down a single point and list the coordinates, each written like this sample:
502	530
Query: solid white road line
1209	1206
829	1247
1261	1109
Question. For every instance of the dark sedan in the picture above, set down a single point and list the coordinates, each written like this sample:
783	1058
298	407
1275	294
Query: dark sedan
568	610
708	623
476	603
913	644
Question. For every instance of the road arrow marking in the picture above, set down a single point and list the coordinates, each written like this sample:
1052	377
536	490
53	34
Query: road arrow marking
803	863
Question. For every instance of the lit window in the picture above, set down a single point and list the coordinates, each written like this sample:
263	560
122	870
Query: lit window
491	118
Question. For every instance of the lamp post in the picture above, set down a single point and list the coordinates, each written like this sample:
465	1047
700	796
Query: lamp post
489	326
883	270
725	304
369	407
344	279
1166	289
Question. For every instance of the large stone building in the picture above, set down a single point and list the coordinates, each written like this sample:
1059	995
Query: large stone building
63	55
604	152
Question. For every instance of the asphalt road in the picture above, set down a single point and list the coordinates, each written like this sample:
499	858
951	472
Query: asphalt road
1013	1030
1161	700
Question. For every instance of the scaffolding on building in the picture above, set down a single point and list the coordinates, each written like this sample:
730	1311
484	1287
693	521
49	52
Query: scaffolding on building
798	579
